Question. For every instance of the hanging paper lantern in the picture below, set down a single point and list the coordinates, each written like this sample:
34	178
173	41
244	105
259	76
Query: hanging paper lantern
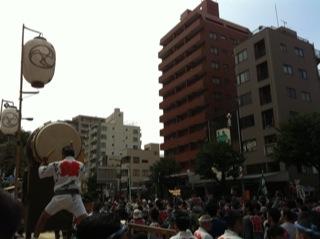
39	59
9	120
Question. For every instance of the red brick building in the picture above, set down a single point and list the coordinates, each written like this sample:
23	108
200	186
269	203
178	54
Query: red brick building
198	79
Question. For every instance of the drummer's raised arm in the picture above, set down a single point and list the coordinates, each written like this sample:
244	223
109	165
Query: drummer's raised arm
46	170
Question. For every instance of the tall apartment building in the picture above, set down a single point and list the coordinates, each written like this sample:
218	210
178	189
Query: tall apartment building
135	165
104	139
277	78
120	136
83	124
198	79
114	137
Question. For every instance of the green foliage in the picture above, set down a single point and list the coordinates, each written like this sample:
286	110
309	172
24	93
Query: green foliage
92	185
160	169
8	147
220	156
298	141
164	167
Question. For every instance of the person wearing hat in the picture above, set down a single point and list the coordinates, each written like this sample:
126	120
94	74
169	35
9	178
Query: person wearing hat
137	217
204	227
66	174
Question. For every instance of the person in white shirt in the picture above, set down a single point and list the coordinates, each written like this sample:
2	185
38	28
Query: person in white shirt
204	227
234	226
182	224
66	174
288	218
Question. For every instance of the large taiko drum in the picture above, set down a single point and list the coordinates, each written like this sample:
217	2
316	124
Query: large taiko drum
48	141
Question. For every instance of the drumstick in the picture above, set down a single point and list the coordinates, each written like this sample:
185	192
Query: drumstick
51	152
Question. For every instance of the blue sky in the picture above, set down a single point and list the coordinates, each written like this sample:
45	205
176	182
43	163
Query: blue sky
107	52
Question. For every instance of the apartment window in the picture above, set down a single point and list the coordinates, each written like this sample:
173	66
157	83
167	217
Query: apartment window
249	145
241	56
270	139
298	51
283	47
144	161
214	50
302	74
287	69
259	49
262	71
243	77
269	142
245	99
267	118
265	95
215	65
135	139
216	81
145	173
222	37
135	131
291	93
136	160
247	121
136	173
213	35
124	172
306	96
217	95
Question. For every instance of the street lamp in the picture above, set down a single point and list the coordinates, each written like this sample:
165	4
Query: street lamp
37	65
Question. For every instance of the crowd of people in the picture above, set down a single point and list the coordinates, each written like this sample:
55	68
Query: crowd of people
224	218
228	217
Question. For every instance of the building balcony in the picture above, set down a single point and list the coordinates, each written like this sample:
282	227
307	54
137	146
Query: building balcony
197	102
186	139
194	57
193	43
186	123
197	86
194	27
186	156
198	70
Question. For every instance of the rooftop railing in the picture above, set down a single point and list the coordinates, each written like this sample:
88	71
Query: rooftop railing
317	53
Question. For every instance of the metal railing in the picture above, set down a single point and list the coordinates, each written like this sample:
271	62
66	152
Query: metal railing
165	233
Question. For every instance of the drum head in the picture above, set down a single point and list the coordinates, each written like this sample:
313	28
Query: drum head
52	137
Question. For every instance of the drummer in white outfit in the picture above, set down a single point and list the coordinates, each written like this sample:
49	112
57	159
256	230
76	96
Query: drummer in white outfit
66	174
204	227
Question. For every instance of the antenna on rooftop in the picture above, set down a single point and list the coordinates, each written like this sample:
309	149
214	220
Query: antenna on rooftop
284	23
275	7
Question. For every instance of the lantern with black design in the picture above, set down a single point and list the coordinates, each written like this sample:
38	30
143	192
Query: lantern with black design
39	60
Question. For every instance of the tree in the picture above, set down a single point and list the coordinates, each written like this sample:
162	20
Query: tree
298	141
92	185
8	147
160	169
218	161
